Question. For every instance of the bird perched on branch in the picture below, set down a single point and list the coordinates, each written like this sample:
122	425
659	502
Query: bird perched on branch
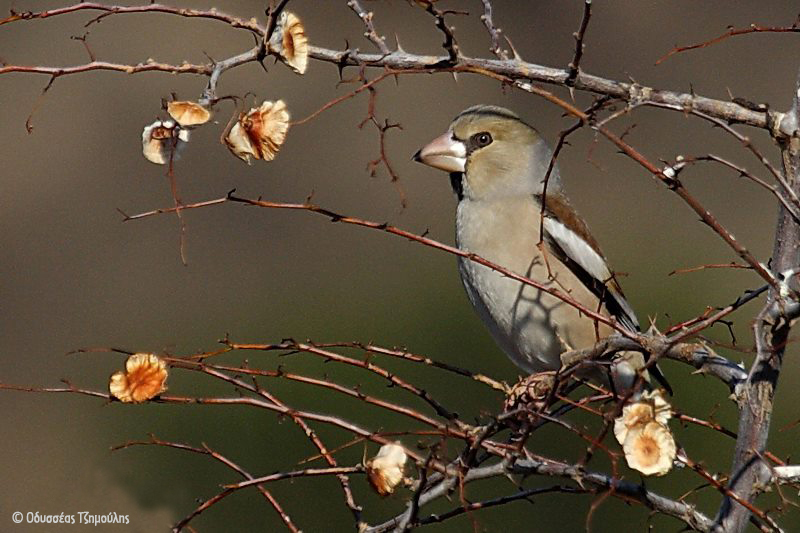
497	165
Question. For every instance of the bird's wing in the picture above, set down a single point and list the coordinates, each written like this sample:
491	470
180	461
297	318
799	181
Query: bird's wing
569	239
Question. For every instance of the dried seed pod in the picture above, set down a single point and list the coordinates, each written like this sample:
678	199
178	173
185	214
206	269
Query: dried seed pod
531	392
188	114
385	470
650	449
651	406
260	132
163	139
289	38
145	377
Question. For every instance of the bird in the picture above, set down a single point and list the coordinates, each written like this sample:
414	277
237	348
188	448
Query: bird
509	214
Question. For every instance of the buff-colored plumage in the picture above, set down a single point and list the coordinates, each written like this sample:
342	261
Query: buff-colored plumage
498	164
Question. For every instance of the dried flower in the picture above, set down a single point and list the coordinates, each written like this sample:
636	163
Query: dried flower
651	406
145	376
531	392
188	114
259	133
163	139
290	39
385	470
650	449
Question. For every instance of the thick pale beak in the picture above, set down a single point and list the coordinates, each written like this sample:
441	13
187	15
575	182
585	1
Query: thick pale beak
444	153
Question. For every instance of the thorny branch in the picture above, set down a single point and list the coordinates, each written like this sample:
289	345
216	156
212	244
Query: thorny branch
574	65
366	17
515	69
732	32
445	476
702	357
205	450
338	218
494	32
749	473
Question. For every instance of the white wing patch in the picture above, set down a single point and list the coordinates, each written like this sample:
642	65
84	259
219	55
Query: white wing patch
588	259
577	249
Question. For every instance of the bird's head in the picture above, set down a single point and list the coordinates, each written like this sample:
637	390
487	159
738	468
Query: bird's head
495	151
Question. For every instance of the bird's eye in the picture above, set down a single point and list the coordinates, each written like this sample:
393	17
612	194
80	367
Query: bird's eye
482	139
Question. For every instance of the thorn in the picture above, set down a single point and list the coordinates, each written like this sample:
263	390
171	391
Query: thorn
399	46
517	57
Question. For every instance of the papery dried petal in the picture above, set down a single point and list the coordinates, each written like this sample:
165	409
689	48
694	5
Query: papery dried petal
188	113
650	449
163	139
239	143
260	132
651	406
293	41
385	470
145	377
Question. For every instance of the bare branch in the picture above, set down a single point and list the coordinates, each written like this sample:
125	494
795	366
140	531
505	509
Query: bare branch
697	355
205	450
521	70
732	32
683	161
450	44
366	18
335	217
235	22
771	330
670	181
574	65
621	489
516	69
521	495
494	31
307	472
150	66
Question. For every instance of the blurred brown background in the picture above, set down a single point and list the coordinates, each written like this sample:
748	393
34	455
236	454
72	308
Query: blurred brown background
73	275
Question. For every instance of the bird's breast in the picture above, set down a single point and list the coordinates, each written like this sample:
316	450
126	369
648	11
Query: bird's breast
531	326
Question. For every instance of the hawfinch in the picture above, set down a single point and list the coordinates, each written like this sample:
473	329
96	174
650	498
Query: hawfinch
497	165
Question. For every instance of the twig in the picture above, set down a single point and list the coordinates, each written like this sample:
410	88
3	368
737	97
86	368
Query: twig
344	481
371	34
150	66
683	331
752	148
621	489
307	472
494	31
771	331
486	504
399	60
732	32
366	365
335	217
732	265
188	363
698	355
683	161
574	65
450	44
205	450
670	181
146	8
408	356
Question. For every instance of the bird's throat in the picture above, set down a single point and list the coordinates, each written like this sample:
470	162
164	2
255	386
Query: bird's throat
457	183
